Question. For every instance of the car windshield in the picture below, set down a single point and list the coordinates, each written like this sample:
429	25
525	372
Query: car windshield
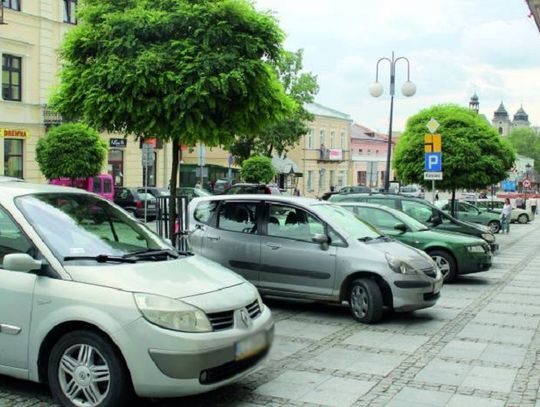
346	220
80	225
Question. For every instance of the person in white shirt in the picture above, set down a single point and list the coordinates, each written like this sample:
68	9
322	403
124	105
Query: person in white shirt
505	216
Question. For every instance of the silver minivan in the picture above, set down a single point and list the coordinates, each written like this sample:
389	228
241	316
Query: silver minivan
302	248
97	305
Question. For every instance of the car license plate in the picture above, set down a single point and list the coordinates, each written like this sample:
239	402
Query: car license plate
250	346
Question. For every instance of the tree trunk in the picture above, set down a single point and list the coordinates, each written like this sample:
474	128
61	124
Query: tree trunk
270	150
174	182
453	203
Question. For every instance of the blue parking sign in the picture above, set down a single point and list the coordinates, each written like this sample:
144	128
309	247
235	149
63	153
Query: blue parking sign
433	162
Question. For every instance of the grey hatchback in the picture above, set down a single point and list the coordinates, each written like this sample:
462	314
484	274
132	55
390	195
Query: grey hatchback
294	247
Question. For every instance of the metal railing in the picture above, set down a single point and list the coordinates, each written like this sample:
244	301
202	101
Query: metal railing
181	228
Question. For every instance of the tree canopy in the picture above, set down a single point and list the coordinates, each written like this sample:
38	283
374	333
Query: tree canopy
183	70
258	169
473	154
526	142
281	135
71	150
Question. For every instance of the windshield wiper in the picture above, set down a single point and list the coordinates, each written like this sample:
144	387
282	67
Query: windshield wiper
151	253
101	258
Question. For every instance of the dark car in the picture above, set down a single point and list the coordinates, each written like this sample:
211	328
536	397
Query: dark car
221	185
134	200
424	212
245	188
354	189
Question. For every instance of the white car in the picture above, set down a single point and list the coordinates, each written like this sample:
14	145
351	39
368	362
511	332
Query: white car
95	304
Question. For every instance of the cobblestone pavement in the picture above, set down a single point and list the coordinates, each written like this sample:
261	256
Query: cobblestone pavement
479	346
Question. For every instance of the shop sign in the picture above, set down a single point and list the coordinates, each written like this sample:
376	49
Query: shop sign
14	133
118	142
335	154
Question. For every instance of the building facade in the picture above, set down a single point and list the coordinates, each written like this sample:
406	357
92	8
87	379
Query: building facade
368	156
324	154
29	39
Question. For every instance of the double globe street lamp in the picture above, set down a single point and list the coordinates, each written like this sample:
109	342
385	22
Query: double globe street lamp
408	89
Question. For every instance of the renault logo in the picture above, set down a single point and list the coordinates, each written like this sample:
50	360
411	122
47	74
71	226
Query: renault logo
246	319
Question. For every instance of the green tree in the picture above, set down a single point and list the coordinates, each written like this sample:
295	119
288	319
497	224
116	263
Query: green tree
71	150
281	135
473	154
258	169
187	71
526	142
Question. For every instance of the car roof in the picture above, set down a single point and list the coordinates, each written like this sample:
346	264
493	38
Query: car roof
263	197
5	178
12	190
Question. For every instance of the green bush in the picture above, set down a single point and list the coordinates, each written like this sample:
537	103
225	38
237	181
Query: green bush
258	169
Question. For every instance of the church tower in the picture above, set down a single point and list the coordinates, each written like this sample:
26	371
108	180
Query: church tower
521	119
473	103
501	121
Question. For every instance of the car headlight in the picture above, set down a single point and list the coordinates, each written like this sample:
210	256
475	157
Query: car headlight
476	249
260	301
488	237
399	266
172	314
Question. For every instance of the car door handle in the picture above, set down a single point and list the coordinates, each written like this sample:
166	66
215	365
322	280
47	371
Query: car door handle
213	237
273	246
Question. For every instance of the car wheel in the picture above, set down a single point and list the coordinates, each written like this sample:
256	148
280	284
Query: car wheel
85	370
523	218
446	264
495	226
365	301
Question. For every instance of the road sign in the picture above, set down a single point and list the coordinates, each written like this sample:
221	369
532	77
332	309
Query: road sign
147	154
433	162
526	183
433	175
432	125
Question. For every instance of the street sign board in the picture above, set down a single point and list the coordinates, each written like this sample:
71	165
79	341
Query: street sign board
433	154
526	183
433	162
433	175
432	125
147	154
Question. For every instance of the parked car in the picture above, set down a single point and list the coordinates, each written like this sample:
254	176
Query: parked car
134	200
246	188
99	309
495	205
424	212
191	192
221	185
454	253
156	192
354	189
470	213
101	184
301	248
414	191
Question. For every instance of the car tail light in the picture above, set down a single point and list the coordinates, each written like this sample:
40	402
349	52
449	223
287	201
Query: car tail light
267	190
139	204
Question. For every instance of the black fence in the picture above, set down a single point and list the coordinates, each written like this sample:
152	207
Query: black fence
181	223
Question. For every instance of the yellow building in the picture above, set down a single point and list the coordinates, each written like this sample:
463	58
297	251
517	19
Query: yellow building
323	154
29	40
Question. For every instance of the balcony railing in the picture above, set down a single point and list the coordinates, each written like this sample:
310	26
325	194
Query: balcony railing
51	117
330	154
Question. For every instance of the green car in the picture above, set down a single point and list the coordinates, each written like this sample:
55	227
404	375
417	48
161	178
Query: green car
469	213
454	253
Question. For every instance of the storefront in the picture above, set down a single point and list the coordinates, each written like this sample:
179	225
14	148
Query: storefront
14	150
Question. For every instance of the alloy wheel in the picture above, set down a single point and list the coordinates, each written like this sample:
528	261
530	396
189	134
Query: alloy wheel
359	301
84	375
443	265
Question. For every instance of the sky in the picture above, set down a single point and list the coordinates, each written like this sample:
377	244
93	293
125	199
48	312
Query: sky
455	48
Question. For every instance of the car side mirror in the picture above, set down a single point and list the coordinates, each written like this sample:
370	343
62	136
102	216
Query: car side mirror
435	220
322	239
21	262
401	227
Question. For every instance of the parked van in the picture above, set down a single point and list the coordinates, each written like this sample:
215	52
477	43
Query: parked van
101	184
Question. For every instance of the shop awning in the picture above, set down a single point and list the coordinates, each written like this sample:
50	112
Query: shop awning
285	165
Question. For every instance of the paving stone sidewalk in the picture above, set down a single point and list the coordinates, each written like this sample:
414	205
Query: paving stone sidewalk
477	347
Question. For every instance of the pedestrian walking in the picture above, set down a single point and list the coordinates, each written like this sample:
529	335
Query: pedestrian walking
436	195
533	205
505	216
198	185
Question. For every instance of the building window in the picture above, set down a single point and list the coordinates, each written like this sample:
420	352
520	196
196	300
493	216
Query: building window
323	138
332	139
12	4
70	9
341	178
332	179
151	169
309	185
360	150
309	142
322	171
11	77
343	145
500	130
115	166
13	158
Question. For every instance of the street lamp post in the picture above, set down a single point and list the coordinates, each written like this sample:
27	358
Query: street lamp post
408	89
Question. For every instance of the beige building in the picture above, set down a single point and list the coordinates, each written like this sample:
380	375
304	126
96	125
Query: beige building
29	40
323	154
